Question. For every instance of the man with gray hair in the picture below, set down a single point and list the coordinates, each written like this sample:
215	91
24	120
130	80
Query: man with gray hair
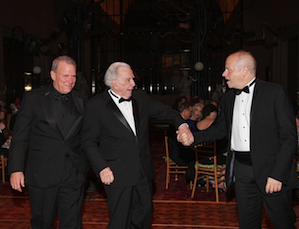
115	141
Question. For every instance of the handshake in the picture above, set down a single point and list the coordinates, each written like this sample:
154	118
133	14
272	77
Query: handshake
184	135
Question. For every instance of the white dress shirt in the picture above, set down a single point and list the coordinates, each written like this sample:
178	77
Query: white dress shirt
240	140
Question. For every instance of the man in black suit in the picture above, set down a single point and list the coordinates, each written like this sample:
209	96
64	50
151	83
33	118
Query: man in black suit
115	140
49	121
260	123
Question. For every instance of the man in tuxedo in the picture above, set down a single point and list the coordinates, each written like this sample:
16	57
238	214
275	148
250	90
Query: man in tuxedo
115	141
49	121
260	123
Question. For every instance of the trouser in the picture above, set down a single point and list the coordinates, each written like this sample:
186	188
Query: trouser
250	200
63	200
131	207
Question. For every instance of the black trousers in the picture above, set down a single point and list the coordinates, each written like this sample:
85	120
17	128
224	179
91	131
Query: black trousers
131	207
250	200
64	201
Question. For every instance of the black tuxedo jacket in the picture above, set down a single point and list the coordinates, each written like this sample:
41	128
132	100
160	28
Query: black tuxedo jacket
273	135
108	140
35	126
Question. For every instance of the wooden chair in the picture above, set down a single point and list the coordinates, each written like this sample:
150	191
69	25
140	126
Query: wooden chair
2	166
211	171
8	120
171	166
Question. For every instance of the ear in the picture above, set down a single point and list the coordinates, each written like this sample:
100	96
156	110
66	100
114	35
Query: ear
114	83
53	75
245	71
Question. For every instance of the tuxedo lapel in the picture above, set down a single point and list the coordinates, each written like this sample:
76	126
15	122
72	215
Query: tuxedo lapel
48	111
255	94
136	115
79	103
231	113
114	109
80	107
229	175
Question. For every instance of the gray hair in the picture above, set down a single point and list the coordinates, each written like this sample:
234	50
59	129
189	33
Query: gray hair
64	58
112	73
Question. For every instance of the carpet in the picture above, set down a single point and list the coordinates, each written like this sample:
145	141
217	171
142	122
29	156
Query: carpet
177	191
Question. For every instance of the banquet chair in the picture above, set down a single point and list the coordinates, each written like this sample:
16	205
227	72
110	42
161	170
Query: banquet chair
2	166
171	166
209	171
8	120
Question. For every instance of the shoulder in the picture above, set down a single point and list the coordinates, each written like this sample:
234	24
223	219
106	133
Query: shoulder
262	83
142	97
264	88
99	98
36	93
79	94
138	92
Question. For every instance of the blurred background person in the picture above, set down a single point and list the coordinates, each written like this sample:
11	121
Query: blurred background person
196	116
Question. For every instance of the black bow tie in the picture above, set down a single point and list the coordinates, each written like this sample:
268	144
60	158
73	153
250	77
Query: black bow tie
239	91
62	97
123	100
245	89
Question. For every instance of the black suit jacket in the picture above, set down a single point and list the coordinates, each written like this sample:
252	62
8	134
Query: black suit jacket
36	127
108	140
273	135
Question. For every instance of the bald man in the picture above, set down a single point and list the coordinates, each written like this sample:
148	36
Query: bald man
258	119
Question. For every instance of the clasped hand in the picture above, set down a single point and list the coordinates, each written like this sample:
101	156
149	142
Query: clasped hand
185	136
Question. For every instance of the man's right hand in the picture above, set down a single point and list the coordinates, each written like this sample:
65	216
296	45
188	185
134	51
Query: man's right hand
17	181
185	136
106	176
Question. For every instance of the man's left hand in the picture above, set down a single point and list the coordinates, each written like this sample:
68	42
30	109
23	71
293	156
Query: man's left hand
273	185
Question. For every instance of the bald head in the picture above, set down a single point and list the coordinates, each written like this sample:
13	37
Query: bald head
240	69
245	59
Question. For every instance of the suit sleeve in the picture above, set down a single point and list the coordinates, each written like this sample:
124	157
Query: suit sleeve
161	111
287	136
21	135
90	135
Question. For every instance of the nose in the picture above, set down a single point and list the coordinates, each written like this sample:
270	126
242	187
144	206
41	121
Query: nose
224	73
133	83
71	80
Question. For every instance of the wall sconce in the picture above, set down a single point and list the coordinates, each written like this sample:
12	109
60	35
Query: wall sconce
36	70
28	87
28	84
199	66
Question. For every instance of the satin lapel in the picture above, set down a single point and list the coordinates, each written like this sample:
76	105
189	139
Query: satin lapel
80	106
229	175
114	109
48	111
79	103
231	113
136	115
255	92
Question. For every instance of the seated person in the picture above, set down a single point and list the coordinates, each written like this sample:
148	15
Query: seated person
178	101
180	154
195	117
5	138
209	116
209	113
4	134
